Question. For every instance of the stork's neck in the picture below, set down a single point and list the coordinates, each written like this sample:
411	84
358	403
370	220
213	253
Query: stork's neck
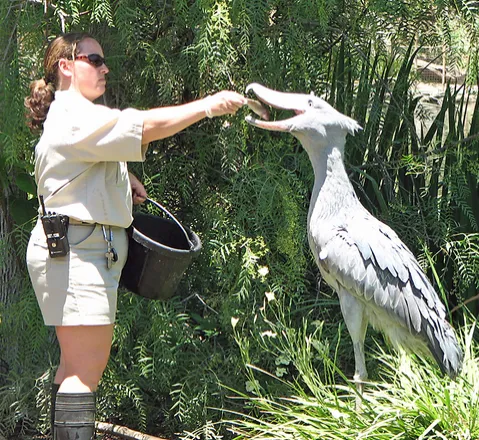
333	195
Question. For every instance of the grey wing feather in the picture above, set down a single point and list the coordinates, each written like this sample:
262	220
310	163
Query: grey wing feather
368	259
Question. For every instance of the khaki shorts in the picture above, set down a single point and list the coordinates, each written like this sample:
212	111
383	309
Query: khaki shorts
77	289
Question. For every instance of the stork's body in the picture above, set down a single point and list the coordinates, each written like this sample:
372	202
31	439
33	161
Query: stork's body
376	277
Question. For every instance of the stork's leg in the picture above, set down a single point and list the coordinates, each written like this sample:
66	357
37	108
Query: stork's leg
356	321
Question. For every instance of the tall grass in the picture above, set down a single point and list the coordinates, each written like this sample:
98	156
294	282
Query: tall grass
409	400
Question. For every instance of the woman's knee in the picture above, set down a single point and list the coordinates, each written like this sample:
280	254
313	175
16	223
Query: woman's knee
85	350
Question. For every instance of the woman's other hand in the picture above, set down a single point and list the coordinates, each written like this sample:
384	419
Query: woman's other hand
223	103
138	191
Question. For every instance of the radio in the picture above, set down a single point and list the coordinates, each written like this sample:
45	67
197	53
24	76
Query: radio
56	229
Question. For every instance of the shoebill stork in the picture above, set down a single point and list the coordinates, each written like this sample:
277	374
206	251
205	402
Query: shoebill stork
377	278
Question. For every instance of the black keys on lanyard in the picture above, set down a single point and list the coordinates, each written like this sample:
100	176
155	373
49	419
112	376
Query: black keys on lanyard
111	255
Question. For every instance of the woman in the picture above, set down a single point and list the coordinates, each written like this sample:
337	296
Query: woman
81	173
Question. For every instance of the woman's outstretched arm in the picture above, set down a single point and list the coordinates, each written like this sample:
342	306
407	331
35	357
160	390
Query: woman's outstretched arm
162	122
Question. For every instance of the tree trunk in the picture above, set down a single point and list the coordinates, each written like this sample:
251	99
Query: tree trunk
10	263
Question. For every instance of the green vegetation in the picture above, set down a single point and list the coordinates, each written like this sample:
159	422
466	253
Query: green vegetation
251	339
410	400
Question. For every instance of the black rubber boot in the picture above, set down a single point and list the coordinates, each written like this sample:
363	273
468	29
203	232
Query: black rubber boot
55	387
75	416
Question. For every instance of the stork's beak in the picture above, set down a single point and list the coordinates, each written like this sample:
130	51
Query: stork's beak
279	100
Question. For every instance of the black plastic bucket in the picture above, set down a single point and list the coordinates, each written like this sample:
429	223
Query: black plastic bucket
160	249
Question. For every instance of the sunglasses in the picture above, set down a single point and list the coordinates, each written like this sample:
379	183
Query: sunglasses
94	59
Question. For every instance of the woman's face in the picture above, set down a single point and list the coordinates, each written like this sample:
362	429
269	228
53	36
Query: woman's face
86	78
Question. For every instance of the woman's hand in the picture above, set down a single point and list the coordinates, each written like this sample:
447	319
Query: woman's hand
138	191
224	102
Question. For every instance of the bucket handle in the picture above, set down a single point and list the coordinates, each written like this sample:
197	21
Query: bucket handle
158	205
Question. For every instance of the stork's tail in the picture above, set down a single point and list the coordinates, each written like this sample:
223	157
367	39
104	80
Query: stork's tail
443	344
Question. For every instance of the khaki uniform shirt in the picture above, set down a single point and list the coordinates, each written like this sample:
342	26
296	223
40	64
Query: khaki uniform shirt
80	160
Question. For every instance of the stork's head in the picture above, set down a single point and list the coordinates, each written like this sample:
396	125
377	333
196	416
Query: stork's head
315	121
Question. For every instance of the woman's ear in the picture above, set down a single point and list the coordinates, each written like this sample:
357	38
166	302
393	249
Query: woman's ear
66	67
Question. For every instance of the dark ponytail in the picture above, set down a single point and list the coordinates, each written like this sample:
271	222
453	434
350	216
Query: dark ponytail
38	103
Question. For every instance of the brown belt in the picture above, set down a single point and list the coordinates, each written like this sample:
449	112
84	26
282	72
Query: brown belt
72	221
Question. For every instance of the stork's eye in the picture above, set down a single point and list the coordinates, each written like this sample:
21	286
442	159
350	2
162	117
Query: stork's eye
310	102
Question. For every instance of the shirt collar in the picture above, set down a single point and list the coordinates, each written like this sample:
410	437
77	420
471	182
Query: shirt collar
70	95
